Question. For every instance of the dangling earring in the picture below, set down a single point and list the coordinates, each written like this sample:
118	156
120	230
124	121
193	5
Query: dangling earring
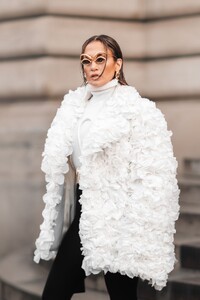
117	74
85	79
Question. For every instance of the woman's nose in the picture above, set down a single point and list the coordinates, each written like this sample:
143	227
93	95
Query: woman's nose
93	65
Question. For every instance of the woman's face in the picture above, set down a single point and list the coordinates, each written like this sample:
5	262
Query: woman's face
95	63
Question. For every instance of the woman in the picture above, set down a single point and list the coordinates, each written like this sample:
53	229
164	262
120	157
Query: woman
116	146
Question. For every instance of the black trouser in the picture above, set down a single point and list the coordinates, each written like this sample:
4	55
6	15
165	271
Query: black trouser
66	276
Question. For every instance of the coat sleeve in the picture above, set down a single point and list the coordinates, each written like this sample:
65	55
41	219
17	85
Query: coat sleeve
154	190
65	209
55	166
58	148
51	228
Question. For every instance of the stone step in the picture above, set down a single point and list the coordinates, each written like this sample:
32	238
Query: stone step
186	281
182	285
188	223
22	279
192	167
180	281
190	256
189	219
9	292
179	241
190	191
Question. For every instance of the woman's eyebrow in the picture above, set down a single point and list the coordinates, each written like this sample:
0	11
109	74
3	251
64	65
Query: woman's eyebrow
101	53
96	55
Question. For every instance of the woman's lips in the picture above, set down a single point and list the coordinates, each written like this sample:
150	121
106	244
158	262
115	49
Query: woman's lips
94	76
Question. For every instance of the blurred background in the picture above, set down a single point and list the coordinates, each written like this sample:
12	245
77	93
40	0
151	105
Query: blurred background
40	43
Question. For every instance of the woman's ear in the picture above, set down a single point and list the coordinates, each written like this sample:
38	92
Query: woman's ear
118	64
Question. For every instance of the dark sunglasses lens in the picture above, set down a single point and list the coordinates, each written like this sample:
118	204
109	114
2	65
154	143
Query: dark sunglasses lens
85	62
100	60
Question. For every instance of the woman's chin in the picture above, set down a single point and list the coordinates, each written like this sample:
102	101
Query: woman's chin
97	82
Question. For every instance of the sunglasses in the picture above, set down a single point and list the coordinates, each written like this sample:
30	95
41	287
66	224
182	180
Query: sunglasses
99	59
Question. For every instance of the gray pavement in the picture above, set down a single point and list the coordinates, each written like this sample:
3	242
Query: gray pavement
90	295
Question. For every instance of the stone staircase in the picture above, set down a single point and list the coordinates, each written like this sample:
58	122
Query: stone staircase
184	281
22	279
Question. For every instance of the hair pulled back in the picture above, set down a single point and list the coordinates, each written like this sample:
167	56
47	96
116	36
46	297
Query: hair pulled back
110	43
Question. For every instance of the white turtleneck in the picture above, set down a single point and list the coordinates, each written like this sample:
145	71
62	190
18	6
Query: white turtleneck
97	98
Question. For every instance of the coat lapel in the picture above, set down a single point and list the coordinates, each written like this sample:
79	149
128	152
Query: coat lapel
111	123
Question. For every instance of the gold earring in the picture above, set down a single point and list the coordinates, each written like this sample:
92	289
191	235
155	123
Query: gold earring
85	79
117	74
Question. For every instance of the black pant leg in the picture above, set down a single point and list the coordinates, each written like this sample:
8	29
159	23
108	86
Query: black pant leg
121	287
66	276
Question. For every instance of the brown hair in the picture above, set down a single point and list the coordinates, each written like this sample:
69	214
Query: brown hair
110	43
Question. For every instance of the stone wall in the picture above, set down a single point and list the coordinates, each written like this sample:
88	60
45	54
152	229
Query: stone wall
40	43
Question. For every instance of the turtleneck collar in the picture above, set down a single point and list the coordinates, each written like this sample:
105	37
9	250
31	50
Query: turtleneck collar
93	89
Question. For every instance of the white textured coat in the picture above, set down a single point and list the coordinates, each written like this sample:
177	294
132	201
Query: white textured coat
128	178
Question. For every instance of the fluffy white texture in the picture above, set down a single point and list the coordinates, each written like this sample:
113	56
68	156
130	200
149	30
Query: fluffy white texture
130	193
58	147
